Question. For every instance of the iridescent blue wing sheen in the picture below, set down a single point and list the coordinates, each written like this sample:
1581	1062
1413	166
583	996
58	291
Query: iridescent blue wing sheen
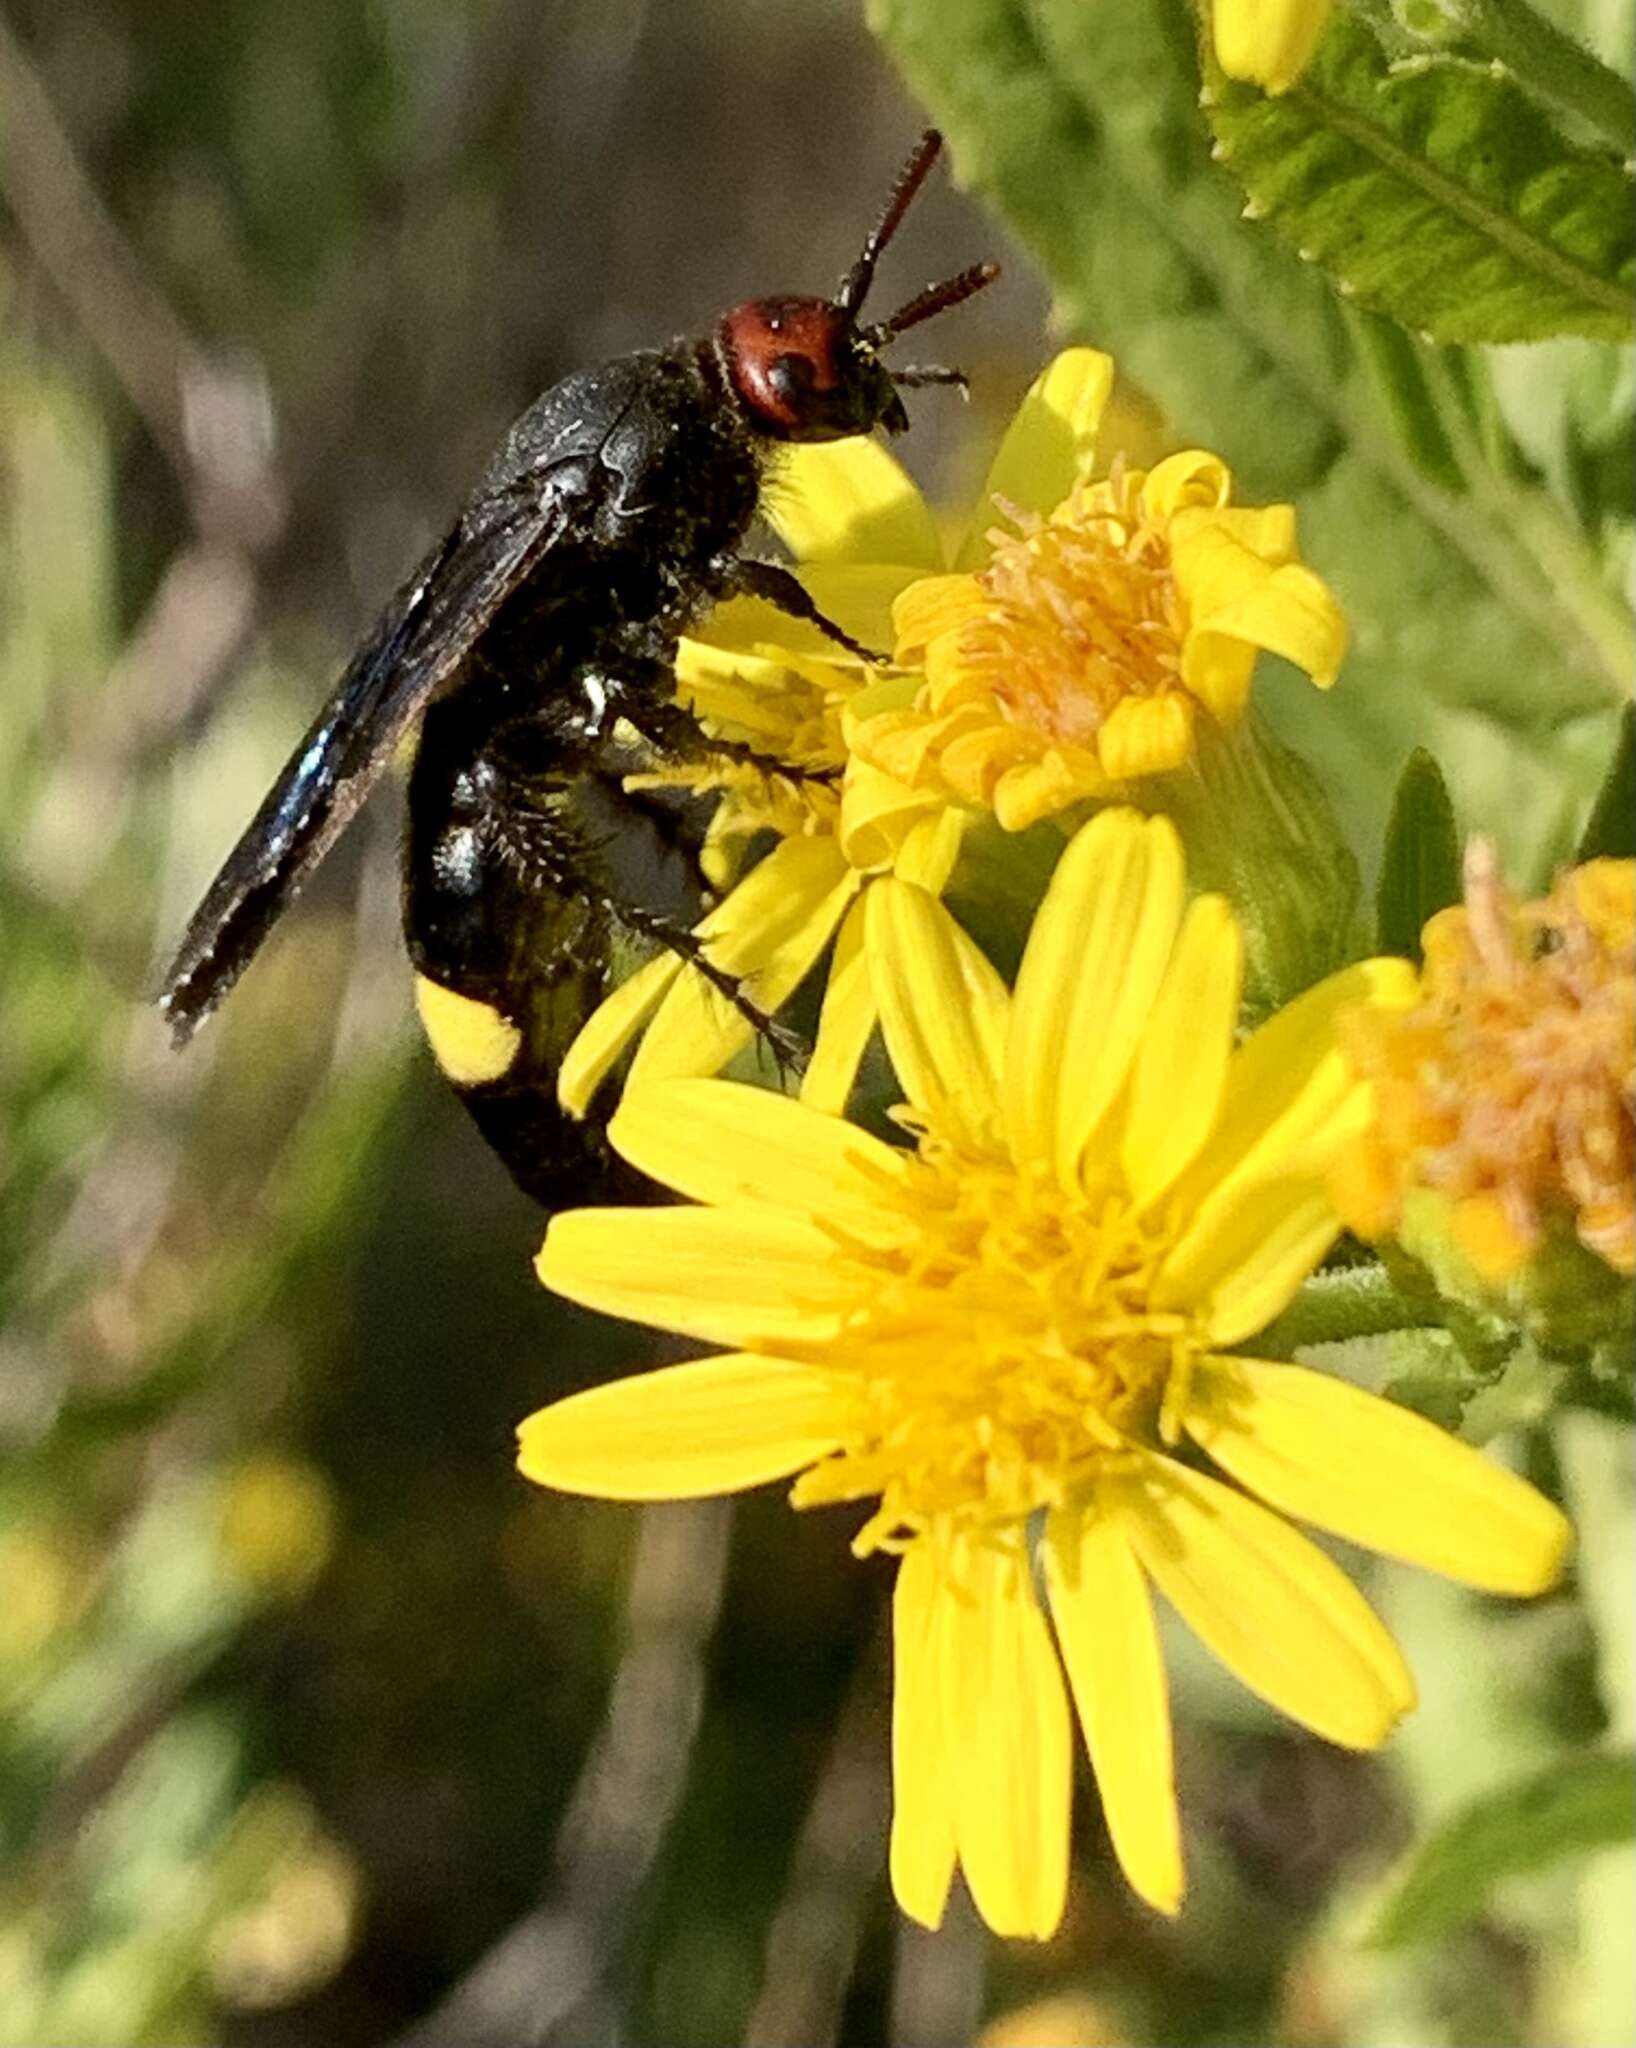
419	642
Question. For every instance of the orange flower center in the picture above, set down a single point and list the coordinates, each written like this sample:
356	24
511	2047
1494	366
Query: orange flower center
1511	1088
1006	1344
1085	612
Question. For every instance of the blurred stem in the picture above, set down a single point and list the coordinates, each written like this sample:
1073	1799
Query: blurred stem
1601	1489
937	1979
812	1946
1549	63
1594	1453
537	1980
1554	547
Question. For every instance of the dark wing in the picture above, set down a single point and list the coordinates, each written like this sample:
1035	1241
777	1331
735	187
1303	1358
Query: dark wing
420	640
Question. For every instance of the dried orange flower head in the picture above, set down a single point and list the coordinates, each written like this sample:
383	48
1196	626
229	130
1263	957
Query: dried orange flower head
1511	1088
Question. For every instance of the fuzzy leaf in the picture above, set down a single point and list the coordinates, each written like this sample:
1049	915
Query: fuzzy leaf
1435	191
1574	1807
1420	867
1080	125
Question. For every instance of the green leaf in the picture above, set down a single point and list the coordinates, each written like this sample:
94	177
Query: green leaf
1339	1303
1610	830
1080	125
1435	191
1420	866
1572	1808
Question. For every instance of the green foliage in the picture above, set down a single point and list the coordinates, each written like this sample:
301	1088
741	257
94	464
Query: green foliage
1610	830
1434	191
1420	864
1575	1806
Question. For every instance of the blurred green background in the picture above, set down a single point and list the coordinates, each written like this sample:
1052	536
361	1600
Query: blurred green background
319	1726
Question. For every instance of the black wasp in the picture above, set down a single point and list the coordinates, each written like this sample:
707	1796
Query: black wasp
608	522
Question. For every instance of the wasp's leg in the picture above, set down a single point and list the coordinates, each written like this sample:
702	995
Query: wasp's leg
538	830
555	854
506	972
677	733
773	583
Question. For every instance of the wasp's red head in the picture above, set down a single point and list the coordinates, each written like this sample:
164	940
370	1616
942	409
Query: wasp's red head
804	369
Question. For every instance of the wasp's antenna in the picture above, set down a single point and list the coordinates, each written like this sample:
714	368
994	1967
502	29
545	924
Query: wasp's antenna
936	298
910	179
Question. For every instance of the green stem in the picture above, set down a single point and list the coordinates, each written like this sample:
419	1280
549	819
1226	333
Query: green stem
1566	566
1551	64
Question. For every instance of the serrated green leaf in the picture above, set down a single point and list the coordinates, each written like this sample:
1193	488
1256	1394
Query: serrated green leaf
1338	1304
1435	191
1420	863
1610	830
1080	125
1574	1807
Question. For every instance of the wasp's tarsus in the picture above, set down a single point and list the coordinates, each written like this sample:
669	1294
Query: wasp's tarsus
609	521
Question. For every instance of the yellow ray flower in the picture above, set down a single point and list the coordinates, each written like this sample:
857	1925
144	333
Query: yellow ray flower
1509	1089
862	534
1079	657
1006	1327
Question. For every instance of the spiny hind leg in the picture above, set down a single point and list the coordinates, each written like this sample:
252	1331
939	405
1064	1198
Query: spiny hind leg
774	584
676	731
530	829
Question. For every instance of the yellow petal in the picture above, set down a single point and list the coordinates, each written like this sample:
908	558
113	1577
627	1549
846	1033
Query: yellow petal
922	1854
850	501
1376	1474
753	694
1181	1066
1182	482
769	931
930	849
1006	1729
1289	1097
1092	968
1268	42
1219	672
1048	447
754	1277
610	1028
932	609
1267	531
878	813
1289	611
1243	1266
731	1145
1284	1620
845	1023
943	1008
1146	736
1062	777
1110	1644
716	1426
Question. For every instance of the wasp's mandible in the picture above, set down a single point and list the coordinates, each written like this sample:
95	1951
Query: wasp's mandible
610	519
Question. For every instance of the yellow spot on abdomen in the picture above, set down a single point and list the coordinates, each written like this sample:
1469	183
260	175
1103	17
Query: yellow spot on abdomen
470	1040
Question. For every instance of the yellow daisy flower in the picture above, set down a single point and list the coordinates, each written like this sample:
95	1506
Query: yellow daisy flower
862	534
1508	1091
1078	658
1002	1333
